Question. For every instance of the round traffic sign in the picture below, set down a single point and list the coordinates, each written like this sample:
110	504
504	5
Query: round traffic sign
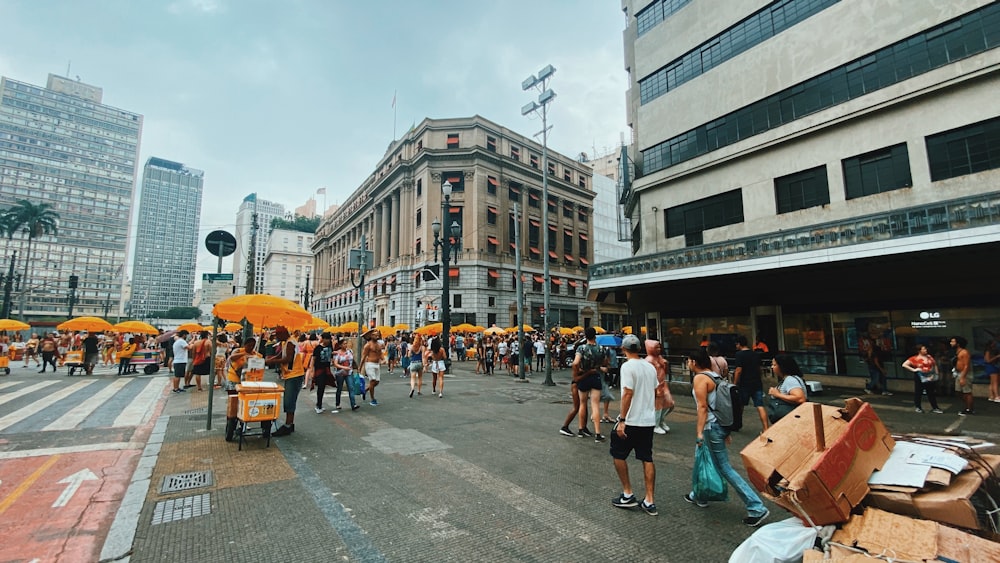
220	243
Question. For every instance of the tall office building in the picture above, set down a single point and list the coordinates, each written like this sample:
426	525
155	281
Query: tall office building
166	244
253	221
823	190
288	264
60	145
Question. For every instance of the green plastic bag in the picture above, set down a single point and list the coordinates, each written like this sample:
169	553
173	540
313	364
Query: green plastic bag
706	481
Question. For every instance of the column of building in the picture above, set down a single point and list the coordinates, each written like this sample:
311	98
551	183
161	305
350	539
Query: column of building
394	235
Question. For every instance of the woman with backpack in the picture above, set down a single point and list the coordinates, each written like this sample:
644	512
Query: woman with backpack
790	393
711	435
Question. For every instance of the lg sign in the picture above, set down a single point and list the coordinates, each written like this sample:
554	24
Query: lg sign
925	315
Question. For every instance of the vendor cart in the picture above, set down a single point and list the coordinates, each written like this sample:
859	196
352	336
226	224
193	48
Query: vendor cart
148	359
259	401
73	361
5	364
17	351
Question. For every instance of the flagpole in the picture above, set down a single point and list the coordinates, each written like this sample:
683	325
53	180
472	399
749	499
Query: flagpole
393	115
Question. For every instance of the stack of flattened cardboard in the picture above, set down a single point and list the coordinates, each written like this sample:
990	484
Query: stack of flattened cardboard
816	461
894	537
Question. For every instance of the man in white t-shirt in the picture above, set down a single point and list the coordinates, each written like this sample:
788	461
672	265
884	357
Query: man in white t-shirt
180	348
539	353
634	428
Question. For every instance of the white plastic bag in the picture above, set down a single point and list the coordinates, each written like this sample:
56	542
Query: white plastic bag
780	542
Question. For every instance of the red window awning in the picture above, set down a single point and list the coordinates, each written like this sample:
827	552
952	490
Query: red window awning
557	281
552	202
583	236
534	250
533	196
515	190
493	273
538	279
553	228
570	258
453	272
491	209
534	222
573	283
391	280
512	245
491	240
584	262
553	255
491	180
569	232
416	274
455	210
454	180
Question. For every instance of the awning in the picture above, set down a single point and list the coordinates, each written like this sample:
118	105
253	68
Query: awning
515	190
534	250
573	283
569	232
455	210
552	202
553	255
584	261
583	236
416	274
553	228
453	272
534	222
512	245
491	209
492	240
493	273
538	279
391	280
557	281
491	180
533	196
454	180
569	257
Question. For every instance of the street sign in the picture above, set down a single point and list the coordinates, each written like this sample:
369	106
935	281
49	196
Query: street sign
220	243
355	258
216	277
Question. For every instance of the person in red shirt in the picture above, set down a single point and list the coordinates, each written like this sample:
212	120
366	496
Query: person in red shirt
925	376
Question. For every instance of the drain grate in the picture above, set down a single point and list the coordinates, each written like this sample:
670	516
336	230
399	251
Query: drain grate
202	410
184	481
182	508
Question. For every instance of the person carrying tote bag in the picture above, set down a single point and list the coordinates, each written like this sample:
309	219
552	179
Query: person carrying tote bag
790	393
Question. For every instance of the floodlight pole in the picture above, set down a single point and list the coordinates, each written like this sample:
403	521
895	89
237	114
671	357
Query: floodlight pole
361	297
541	108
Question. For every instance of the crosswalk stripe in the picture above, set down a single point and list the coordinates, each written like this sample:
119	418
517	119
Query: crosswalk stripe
43	403
85	408
27	390
9	384
139	410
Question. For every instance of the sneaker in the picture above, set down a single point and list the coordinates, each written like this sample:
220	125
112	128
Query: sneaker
666	429
692	500
625	501
319	410
754	521
648	508
598	438
334	411
658	430
607	420
411	393
565	431
887	394
937	411
355	407
283	431
374	403
965	412
918	409
585	432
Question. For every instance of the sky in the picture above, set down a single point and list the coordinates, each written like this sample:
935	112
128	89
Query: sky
285	97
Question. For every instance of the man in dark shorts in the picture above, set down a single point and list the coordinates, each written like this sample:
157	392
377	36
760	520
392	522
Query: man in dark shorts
91	352
180	349
634	427
747	379
590	364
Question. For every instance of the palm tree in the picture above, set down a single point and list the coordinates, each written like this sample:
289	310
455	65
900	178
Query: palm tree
34	220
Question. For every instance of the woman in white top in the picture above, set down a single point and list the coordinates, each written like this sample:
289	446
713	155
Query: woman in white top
437	356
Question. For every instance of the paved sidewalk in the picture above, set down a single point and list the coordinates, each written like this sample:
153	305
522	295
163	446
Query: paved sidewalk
481	474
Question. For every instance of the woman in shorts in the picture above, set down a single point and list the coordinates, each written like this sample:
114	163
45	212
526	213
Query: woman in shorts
438	366
416	358
31	350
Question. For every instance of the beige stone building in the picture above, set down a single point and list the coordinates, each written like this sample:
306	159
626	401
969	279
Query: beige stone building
820	174
491	169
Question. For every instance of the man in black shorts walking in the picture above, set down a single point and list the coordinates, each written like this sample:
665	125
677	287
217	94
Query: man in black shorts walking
590	364
634	427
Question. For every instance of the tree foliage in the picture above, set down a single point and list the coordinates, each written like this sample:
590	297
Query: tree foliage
178	313
297	223
33	219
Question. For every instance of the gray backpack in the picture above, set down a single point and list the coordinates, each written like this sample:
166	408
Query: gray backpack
727	403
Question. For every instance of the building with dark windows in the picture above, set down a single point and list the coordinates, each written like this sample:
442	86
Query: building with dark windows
490	169
253	230
166	243
61	145
820	174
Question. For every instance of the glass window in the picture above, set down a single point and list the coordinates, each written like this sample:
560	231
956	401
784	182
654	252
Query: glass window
965	150
802	190
877	172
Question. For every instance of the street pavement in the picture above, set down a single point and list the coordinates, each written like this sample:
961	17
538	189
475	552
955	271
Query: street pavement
480	474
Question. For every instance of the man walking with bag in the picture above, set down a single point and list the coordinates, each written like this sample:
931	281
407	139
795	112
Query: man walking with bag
634	427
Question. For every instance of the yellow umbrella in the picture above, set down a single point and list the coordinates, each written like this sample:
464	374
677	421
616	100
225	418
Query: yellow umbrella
385	330
464	327
477	328
262	310
232	327
190	327
136	326
401	326
627	330
209	328
599	330
493	331
89	324
430	330
527	328
11	324
350	326
316	323
578	328
565	331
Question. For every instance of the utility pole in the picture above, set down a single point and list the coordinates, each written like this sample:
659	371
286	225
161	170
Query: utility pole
74	280
305	294
252	259
362	267
519	284
8	286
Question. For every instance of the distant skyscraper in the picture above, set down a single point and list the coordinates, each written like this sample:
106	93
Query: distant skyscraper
61	146
166	244
266	211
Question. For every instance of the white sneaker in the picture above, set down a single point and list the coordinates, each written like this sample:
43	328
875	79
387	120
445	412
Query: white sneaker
658	430
665	428
319	410
334	411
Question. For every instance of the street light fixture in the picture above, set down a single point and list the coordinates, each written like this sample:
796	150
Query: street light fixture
455	231
540	107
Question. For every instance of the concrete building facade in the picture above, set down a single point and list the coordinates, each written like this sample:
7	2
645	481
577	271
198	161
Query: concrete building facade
822	191
61	145
253	219
166	245
288	264
491	169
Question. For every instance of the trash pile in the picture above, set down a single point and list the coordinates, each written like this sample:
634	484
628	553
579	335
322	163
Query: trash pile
858	493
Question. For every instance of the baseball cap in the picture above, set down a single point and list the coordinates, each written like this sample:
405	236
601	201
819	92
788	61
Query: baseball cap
631	343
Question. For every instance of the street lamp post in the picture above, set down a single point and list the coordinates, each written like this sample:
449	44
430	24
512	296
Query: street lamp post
540	107
455	231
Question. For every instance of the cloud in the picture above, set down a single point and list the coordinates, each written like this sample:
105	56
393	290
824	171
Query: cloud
197	6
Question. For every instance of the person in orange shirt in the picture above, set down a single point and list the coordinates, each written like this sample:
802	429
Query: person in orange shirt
125	356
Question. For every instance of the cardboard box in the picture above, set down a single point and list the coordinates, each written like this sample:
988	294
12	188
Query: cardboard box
820	487
258	407
951	504
903	538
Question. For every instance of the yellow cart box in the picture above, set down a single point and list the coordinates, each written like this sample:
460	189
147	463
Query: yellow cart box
259	401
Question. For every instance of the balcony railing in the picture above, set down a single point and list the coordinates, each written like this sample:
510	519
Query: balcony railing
964	213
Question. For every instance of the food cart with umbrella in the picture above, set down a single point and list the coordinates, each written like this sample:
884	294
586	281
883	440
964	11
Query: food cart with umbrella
147	358
256	401
16	352
74	358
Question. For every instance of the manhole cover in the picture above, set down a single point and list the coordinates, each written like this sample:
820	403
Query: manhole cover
182	508
184	481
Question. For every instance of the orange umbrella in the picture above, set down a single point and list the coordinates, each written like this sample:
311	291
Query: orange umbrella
10	324
262	310
232	327
190	327
89	324
493	331
430	330
136	326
